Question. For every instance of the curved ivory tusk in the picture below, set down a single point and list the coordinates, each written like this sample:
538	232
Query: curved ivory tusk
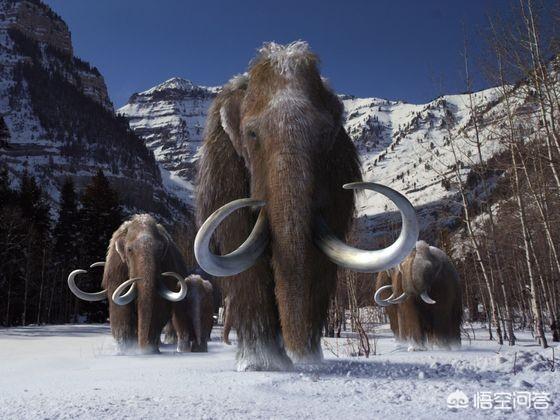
97	264
243	257
377	296
89	297
169	295
129	296
400	299
371	261
426	298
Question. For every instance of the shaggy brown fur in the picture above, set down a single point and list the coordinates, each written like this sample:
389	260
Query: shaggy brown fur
276	134
426	268
196	322
141	247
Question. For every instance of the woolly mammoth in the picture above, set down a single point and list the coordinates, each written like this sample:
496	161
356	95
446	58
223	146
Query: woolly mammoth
422	298
142	268
196	323
276	160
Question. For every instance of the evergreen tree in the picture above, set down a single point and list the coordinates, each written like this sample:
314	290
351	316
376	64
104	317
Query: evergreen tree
66	229
66	251
4	133
11	250
100	216
35	213
6	193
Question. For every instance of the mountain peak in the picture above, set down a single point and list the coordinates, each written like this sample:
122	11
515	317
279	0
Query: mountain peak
177	83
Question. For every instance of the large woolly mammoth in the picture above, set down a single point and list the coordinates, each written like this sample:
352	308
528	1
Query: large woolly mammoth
276	157
422	298
142	269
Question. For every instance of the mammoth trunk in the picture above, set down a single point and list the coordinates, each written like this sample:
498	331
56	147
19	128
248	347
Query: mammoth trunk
289	206
147	305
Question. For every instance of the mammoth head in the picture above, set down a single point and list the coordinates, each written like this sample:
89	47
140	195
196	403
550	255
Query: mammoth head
285	125
414	276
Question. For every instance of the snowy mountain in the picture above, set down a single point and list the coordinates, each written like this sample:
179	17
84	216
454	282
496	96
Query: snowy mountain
405	146
58	118
170	119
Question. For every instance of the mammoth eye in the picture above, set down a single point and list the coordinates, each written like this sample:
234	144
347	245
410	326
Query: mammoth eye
252	135
129	249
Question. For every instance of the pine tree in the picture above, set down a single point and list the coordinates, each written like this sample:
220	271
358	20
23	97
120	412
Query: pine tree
100	216
66	251
66	229
35	212
4	133
6	193
11	252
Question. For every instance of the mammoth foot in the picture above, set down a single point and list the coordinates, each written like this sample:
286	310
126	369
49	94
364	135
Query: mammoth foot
263	359
148	349
199	348
417	347
125	347
307	357
183	346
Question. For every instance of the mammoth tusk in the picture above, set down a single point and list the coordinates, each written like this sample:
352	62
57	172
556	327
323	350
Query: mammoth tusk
371	261
129	296
169	295
243	257
377	296
400	299
426	298
89	297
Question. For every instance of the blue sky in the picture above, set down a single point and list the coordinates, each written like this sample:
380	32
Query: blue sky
408	50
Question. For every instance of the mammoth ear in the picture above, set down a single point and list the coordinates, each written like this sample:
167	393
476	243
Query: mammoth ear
225	114
116	270
230	120
119	247
168	240
222	175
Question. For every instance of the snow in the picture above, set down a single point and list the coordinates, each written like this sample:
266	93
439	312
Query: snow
71	371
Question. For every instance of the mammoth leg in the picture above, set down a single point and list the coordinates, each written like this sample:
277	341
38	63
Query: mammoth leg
123	325
411	328
228	321
392	314
322	289
181	324
253	306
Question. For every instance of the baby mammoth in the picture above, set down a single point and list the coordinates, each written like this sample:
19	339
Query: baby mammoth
422	298
142	268
196	323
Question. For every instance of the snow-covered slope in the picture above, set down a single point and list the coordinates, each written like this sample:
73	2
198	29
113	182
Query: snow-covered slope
170	118
71	371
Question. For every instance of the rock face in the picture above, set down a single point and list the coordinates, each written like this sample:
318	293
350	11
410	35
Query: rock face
57	117
170	119
37	22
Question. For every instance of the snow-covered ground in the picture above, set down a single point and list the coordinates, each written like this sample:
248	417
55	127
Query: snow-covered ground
71	371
